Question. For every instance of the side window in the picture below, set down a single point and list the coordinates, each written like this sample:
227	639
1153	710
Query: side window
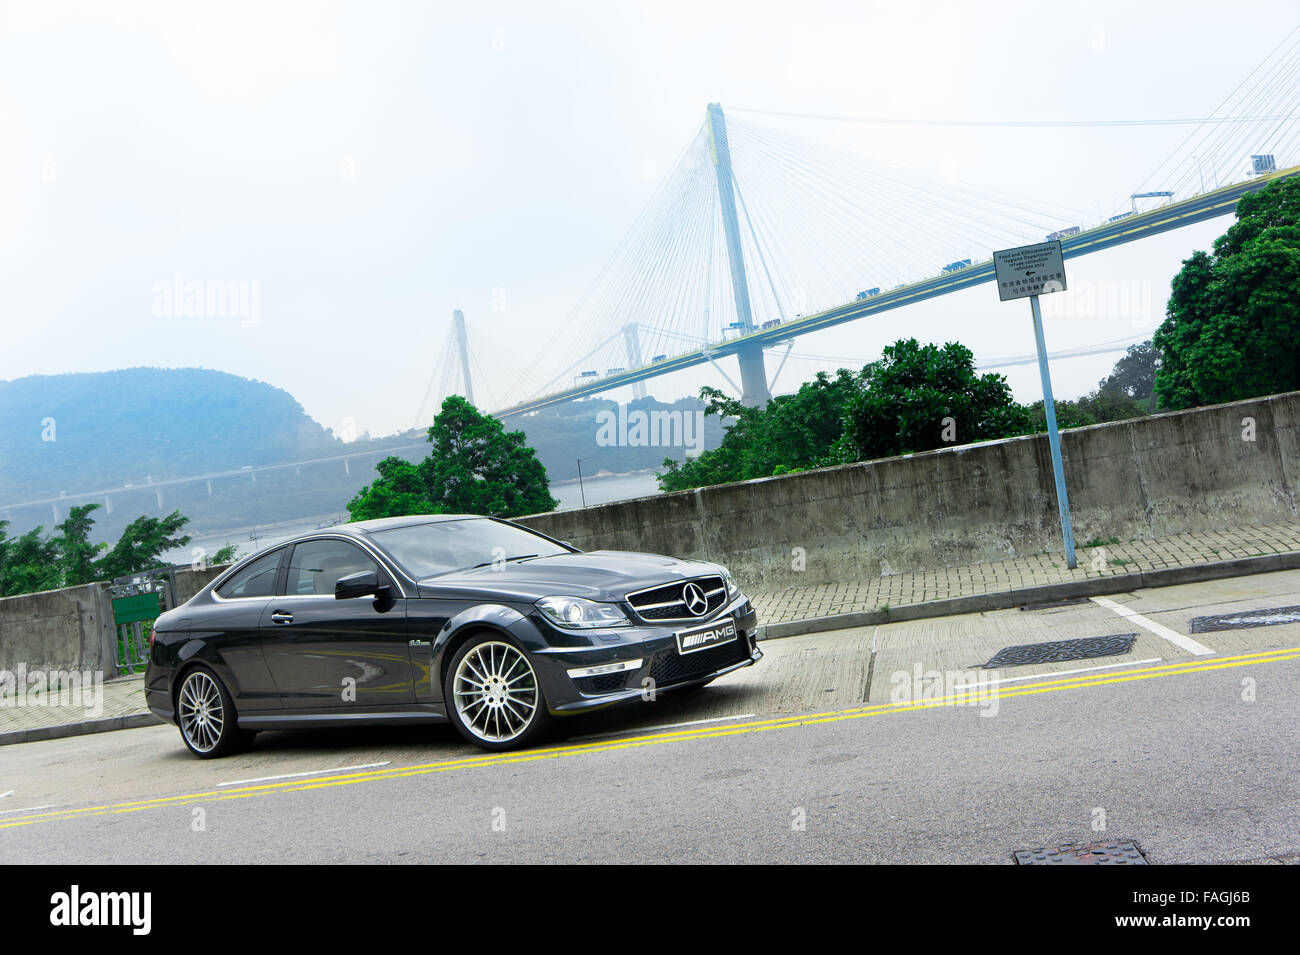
316	566
255	580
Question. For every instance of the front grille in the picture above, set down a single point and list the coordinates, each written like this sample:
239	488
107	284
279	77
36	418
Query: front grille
669	666
669	602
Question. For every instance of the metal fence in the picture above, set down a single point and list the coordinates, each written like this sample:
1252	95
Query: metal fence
138	600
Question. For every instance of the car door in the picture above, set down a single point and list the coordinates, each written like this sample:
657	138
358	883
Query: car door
230	623
332	654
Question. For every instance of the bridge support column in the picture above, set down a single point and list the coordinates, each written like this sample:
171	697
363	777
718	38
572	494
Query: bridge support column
753	377
633	342
462	344
753	374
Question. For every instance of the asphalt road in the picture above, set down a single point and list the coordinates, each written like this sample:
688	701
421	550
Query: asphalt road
829	750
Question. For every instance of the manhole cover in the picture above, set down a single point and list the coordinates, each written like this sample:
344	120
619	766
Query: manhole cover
1246	618
1125	852
1081	649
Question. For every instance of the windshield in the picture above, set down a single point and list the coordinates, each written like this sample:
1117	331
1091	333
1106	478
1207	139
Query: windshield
425	550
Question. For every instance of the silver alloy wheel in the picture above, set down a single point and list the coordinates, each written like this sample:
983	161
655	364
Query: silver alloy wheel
496	691
201	713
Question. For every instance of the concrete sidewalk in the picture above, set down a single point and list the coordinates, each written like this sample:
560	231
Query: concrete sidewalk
1104	569
121	706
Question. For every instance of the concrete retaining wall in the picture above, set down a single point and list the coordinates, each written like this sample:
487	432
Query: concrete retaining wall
1202	470
72	628
69	629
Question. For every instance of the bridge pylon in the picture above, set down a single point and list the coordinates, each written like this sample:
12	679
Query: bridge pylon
753	373
633	342
462	345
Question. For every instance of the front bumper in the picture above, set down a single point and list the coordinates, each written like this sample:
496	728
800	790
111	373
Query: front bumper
662	668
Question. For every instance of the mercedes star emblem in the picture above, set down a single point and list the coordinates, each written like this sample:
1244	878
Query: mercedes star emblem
696	602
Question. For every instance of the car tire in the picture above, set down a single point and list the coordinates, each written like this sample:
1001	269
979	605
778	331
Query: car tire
493	695
206	716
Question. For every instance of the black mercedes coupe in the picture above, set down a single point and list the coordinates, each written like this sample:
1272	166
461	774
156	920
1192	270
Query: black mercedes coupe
475	620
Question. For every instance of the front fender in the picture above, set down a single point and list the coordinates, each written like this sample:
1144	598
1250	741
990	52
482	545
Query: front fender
499	617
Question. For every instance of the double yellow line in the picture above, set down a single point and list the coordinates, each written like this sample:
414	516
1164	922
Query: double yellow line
962	697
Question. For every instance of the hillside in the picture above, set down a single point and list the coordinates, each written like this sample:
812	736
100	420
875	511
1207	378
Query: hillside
79	432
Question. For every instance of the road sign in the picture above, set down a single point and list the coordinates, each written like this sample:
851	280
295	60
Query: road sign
1029	270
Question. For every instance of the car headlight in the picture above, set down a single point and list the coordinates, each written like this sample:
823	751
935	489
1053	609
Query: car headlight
729	582
581	614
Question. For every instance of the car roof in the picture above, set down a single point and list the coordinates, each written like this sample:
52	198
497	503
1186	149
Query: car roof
411	520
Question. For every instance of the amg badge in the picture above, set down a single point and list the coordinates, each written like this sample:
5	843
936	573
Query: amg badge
701	638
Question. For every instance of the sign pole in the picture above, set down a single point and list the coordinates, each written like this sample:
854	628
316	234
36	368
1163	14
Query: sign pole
1053	437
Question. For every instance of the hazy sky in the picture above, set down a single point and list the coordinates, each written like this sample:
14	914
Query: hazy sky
365	168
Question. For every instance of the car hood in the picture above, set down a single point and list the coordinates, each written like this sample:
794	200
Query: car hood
599	575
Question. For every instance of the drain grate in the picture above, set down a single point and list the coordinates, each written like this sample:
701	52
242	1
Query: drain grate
1082	649
1246	618
1125	852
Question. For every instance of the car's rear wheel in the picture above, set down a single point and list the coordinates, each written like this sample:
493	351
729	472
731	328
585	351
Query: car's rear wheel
206	716
493	695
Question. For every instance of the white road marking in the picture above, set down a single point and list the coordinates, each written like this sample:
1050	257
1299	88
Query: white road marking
313	772
1159	629
667	726
9	793
1056	673
27	809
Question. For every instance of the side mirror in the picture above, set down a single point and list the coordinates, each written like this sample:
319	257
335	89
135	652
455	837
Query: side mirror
363	584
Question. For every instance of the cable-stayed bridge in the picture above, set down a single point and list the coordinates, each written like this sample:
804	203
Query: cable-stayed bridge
755	237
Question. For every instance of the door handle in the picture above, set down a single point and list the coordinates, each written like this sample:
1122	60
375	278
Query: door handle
282	616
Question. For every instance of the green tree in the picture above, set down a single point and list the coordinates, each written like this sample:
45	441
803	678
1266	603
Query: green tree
402	488
919	397
28	563
1069	414
1134	376
76	553
475	467
1232	325
227	554
142	544
791	433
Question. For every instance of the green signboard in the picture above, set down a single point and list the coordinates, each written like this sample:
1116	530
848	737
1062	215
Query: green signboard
136	608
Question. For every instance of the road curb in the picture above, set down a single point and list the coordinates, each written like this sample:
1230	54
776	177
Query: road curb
130	721
1043	593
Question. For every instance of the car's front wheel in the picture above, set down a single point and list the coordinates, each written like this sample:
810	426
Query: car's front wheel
493	694
206	716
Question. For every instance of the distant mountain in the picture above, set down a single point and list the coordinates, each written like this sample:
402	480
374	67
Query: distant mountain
78	432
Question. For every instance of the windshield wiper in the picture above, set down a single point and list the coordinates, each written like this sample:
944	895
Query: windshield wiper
487	563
